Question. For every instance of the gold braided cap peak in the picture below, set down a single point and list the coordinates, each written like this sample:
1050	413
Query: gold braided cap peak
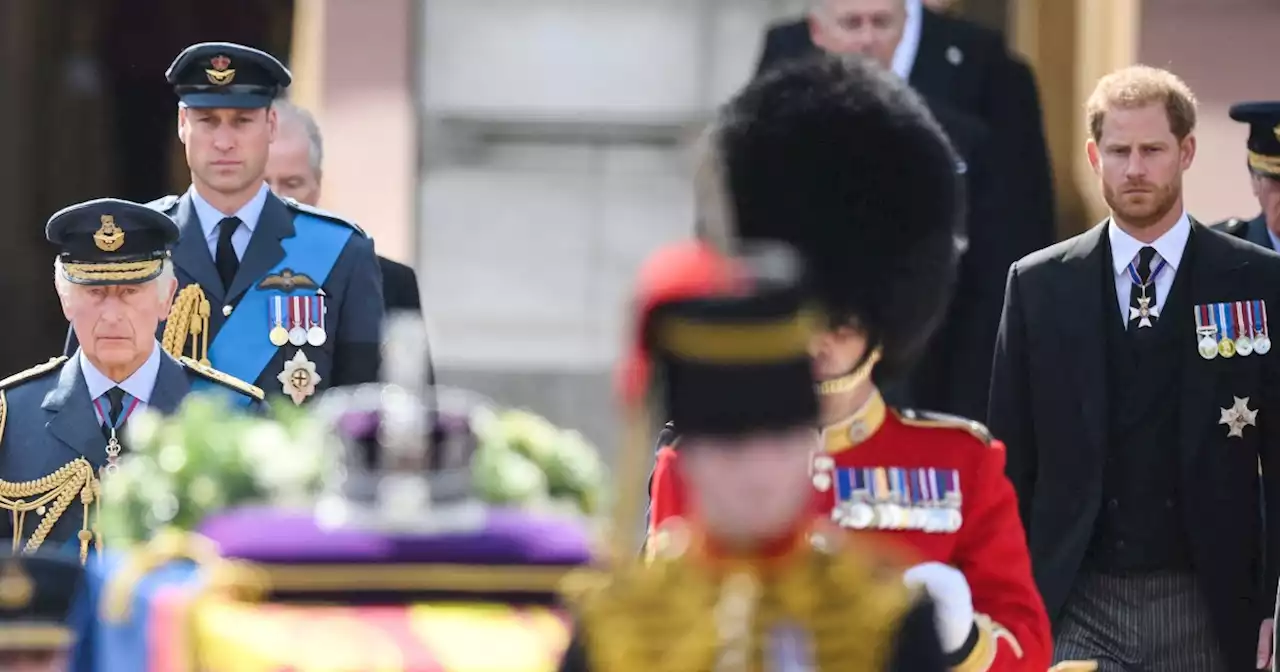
33	372
223	378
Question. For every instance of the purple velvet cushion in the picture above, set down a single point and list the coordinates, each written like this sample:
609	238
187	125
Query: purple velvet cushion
507	537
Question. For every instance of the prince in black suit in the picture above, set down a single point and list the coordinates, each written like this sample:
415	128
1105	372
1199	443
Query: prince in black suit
1133	388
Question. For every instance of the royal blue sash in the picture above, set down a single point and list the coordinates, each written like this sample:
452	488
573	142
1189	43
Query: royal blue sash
241	348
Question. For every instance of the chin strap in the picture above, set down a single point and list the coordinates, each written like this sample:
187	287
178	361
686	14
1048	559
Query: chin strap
850	381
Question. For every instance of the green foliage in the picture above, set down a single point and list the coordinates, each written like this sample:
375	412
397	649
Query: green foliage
523	458
209	456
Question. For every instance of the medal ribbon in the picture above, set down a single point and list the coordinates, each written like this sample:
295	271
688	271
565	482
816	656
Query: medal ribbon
295	312
277	312
1137	280
1228	325
1260	317
1238	313
317	311
103	409
845	479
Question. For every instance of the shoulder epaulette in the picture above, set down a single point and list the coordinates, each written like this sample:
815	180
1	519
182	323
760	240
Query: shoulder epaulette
931	419
163	204
320	212
33	372
220	377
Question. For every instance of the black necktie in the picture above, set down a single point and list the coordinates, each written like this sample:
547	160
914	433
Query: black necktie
1143	311
225	259
115	397
115	406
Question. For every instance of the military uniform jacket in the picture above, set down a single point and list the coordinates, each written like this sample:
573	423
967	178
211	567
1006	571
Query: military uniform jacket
1253	230
810	602
1049	404
51	437
352	291
935	487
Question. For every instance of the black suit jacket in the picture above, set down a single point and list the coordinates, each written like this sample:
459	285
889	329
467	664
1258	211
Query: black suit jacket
954	373
1049	406
968	67
399	286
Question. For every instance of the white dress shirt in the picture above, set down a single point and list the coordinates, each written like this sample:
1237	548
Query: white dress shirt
904	56
248	214
1124	250
139	385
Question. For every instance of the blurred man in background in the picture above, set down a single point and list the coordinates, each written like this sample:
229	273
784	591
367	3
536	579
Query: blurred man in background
295	167
948	60
1263	119
953	375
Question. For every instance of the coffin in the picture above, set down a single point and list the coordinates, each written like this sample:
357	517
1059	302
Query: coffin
264	590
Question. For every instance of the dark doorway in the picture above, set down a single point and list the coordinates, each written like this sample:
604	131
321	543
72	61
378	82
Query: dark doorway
85	113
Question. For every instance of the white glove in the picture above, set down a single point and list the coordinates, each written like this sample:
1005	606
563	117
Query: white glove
952	601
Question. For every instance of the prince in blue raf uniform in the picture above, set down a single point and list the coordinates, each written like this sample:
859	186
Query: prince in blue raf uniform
1263	147
61	423
271	291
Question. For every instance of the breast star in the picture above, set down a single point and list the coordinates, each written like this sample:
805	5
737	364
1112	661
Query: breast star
1238	417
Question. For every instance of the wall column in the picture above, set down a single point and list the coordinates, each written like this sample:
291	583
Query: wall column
361	92
1071	44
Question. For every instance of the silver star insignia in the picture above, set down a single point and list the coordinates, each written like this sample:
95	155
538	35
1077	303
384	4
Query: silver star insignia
1238	417
1144	312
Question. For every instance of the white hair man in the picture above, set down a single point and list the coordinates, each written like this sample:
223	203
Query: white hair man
61	422
295	169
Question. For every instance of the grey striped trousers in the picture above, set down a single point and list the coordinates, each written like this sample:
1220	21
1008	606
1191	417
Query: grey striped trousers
1156	622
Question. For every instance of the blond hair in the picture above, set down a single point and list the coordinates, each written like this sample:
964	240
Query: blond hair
1139	86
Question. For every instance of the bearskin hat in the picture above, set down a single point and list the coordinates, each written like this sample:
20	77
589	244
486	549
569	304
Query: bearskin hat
841	160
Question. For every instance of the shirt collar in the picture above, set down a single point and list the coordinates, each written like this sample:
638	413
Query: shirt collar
248	214
139	385
904	57
1170	246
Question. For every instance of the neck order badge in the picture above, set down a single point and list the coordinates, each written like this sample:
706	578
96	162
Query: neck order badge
103	407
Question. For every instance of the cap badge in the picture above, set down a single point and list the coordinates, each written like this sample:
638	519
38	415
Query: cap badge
16	587
108	237
220	74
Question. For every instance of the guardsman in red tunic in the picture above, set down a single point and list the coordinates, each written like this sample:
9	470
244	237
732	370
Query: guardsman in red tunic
874	208
752	580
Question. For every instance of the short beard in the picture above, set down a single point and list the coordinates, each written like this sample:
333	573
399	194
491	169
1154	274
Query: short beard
1165	199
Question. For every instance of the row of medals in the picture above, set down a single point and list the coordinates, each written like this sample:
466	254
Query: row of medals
305	330
1211	347
865	512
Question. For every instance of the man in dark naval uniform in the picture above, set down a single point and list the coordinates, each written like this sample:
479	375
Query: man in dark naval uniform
751	579
1135	389
271	290
1263	146
62	422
